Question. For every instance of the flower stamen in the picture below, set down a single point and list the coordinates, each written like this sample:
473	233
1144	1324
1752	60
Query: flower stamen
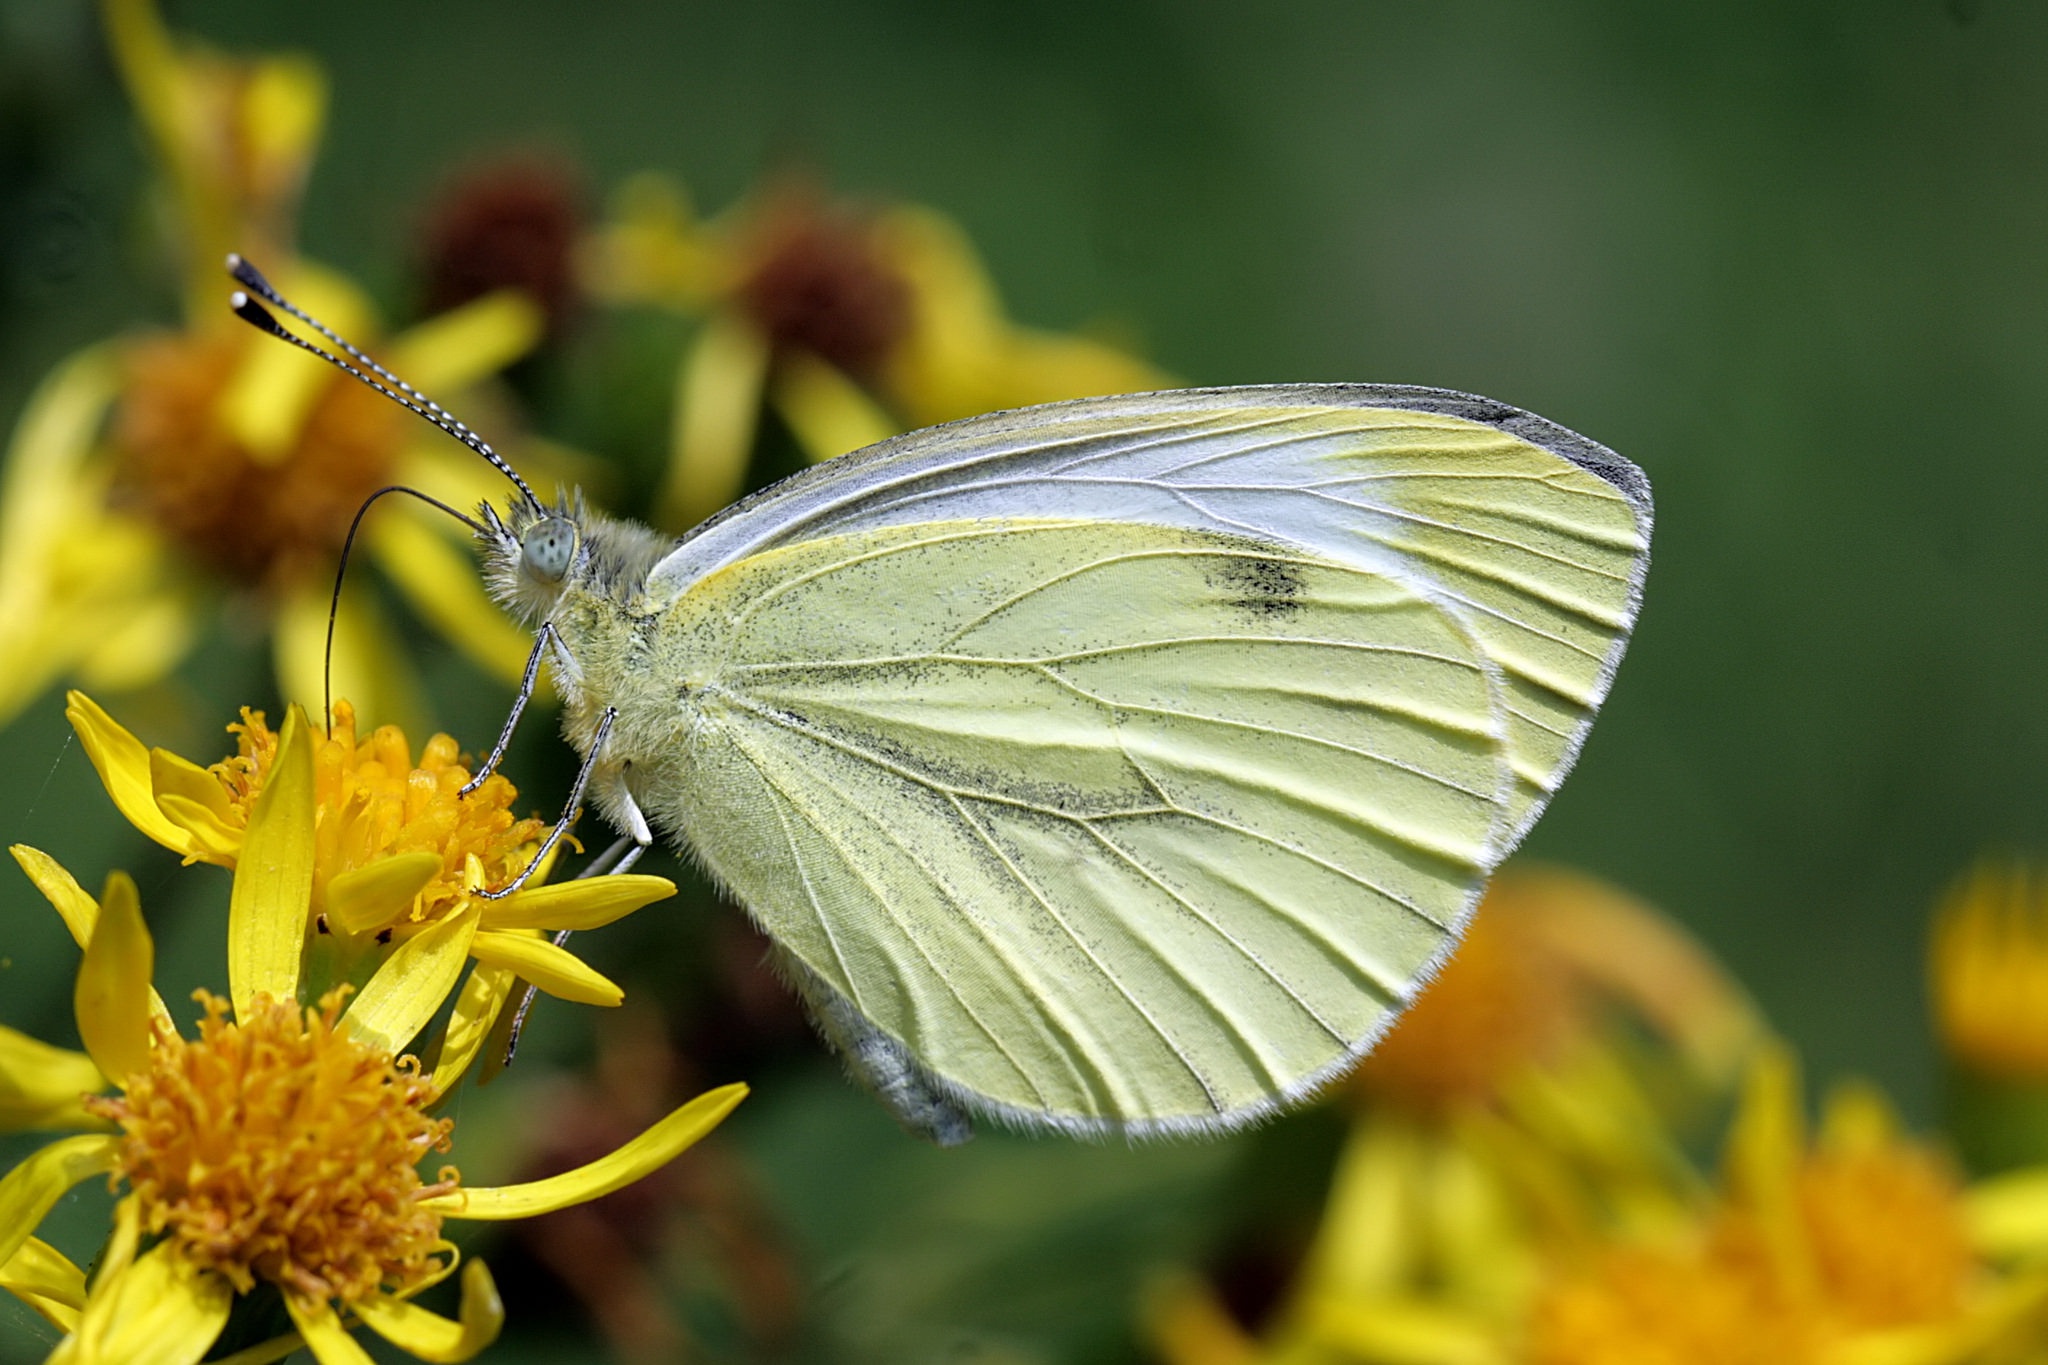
278	1148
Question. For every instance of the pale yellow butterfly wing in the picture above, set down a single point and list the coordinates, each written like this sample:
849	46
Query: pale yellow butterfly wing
1130	762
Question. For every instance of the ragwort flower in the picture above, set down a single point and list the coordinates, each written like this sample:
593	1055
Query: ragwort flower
1859	1245
1987	967
1538	1073
1543	1216
276	1152
397	856
155	473
854	325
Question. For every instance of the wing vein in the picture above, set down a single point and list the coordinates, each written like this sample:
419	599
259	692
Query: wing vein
1045	903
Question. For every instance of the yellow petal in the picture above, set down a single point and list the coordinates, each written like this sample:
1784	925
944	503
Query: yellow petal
172	775
557	971
2008	1214
79	911
828	412
441	583
962	355
43	1086
469	1025
149	638
274	878
111	997
213	840
52	438
33	1188
1632	953
430	1336
317	1323
123	765
1402	1327
718	400
283	107
45	1279
1186	1324
160	1310
370	668
123	1241
194	798
465	344
1369	1233
409	986
654	250
380	893
645	1154
1765	1145
584	904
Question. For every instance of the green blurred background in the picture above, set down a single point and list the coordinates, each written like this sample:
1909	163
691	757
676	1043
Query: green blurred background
1788	257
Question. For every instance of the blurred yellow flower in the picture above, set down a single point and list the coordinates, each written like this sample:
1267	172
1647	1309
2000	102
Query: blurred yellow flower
1858	1246
155	473
1987	968
854	325
395	857
1528	1202
1988	972
1506	1110
274	1153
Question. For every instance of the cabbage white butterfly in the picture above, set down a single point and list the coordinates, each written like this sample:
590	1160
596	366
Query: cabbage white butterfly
1120	765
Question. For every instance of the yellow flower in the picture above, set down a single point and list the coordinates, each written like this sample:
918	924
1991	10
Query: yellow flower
154	473
854	325
274	1153
1526	1211
1861	1246
1504	1112
394	857
1987	984
1988	972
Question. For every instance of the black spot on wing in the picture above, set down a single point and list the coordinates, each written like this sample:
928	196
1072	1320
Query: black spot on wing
1259	585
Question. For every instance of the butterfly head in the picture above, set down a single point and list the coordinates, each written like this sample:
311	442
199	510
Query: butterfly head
535	554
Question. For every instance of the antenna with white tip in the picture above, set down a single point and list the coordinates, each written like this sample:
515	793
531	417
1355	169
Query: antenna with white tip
390	385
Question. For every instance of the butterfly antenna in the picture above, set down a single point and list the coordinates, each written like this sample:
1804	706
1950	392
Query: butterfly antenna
390	385
348	544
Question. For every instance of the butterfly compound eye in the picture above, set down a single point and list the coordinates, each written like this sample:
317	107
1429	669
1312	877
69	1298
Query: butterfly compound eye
548	547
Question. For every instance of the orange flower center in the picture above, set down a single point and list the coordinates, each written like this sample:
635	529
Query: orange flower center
256	521
373	802
819	284
1498	1007
1878	1243
277	1148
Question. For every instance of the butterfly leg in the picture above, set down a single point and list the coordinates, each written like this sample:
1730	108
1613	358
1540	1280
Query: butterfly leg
569	810
497	754
624	852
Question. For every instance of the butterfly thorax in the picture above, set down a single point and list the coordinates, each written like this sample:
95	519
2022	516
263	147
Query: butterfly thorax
616	650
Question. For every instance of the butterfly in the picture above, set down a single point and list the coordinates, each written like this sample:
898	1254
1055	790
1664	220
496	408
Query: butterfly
1123	765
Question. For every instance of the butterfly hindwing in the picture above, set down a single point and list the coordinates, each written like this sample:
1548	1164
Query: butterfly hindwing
1112	824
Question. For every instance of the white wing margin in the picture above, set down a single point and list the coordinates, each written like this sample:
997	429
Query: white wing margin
1536	538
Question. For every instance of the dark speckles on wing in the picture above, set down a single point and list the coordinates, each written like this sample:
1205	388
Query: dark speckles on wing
1260	584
